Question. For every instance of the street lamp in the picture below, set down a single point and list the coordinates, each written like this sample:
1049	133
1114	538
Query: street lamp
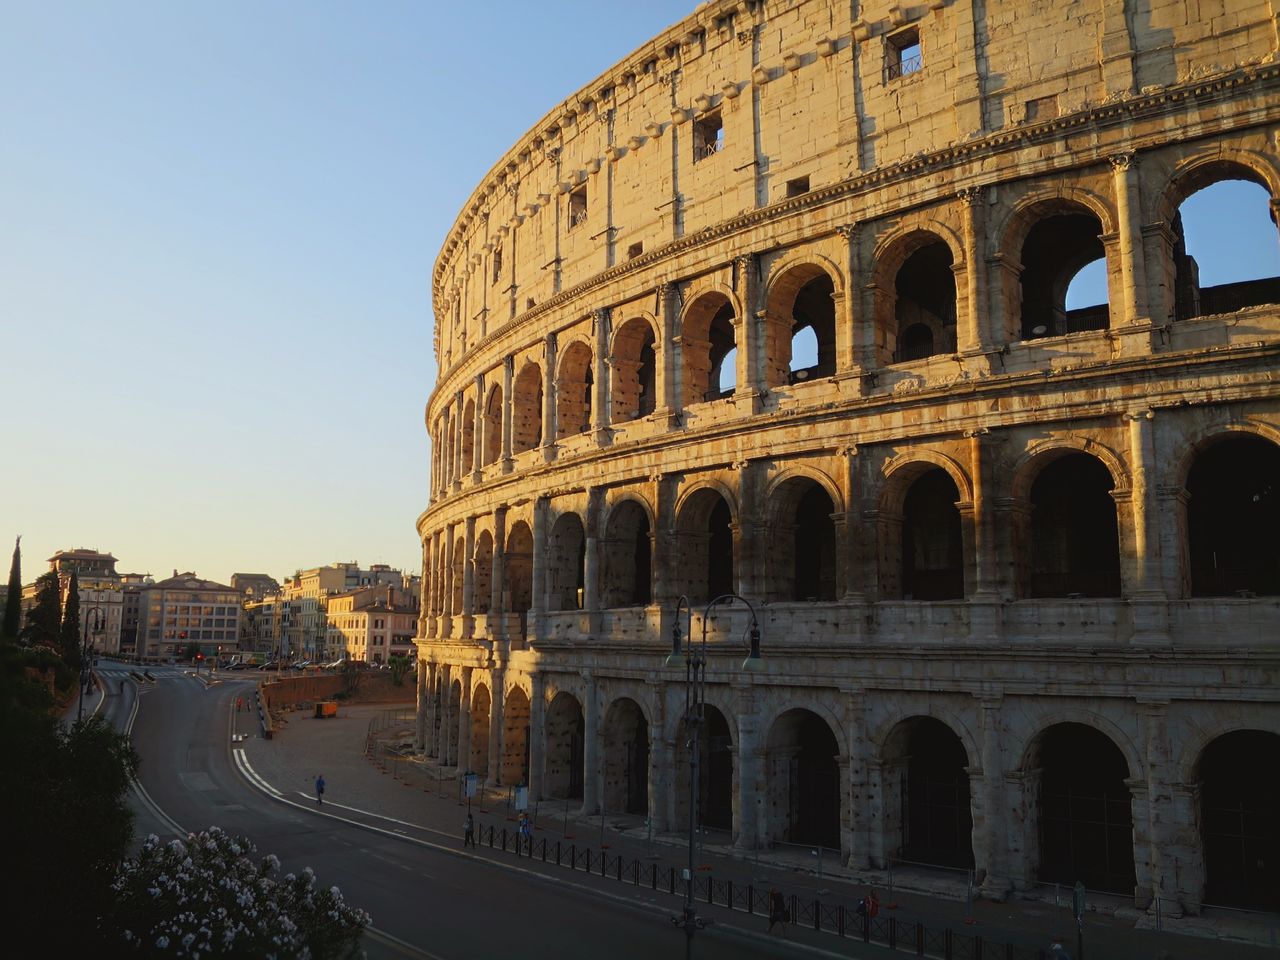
694	660
99	621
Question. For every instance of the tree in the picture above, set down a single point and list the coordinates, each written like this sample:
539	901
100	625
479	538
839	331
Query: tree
13	598
206	896
44	619
69	636
399	665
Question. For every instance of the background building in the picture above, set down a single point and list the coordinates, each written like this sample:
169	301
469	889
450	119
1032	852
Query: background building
778	306
185	609
373	623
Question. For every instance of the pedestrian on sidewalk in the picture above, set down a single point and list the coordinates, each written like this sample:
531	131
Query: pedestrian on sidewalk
526	831
869	906
319	790
778	912
469	832
239	704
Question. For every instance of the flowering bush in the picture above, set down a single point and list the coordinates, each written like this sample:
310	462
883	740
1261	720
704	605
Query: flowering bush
206	897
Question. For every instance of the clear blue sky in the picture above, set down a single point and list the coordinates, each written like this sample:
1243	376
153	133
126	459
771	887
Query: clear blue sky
217	226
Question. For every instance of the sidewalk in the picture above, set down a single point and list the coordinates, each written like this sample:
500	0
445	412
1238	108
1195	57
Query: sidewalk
416	792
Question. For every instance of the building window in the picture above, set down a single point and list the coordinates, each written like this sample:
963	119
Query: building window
903	55
635	250
708	136
497	264
797	187
578	206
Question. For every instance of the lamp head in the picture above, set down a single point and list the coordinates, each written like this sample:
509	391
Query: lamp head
754	662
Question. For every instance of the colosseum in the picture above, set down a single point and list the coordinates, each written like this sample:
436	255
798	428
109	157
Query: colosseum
768	326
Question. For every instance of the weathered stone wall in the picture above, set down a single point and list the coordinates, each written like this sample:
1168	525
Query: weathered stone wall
884	509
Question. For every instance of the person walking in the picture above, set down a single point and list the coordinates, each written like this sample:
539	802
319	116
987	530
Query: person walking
778	912
469	832
239	704
319	790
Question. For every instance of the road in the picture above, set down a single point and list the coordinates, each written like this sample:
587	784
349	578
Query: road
427	900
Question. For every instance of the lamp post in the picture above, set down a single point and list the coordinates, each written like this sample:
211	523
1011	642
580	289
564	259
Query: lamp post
693	658
85	648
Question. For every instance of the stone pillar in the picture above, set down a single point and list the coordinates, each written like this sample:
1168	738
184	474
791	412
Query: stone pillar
433	711
469	578
859	783
446	601
508	406
665	587
1133	268
446	715
591	752
550	417
750	799
477	433
661	759
749	534
458	466
497	611
846	311
464	723
601	403
670	402
1146	594
591	558
537	736
851	534
874	826
984	547
748	332
987	806
420	729
497	725
971	337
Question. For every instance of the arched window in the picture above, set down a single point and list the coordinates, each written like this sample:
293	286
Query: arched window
1057	248
573	391
626	758
803	550
634	371
932	547
1233	518
627	564
526	409
704	547
803	771
800	327
926	787
925	304
566	566
1075	541
707	346
492	427
468	435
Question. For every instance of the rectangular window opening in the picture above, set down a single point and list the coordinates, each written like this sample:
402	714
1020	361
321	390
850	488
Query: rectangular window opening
708	136
497	264
578	206
635	250
797	187
903	56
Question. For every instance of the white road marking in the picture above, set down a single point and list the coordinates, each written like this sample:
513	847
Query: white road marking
252	776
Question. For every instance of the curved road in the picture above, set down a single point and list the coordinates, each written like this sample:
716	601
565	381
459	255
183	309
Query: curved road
427	901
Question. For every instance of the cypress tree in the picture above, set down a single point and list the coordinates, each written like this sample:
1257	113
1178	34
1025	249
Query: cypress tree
13	599
70	634
44	619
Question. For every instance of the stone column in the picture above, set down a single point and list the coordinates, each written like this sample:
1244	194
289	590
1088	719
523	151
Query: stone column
446	714
469	578
508	406
661	760
750	800
549	394
846	311
497	724
1161	827
748	331
670	401
665	587
1133	268
497	611
420	729
478	437
464	723
987	806
971	337
446	601
601	402
537	736
433	708
458	466
750	534
1146	594
538	577
851	534
591	733
984	555
860	790
591	558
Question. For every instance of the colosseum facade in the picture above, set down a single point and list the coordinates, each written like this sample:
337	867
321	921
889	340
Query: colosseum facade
776	307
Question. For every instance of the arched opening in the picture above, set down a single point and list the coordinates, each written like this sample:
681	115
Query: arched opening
492	428
567	552
1220	271
564	761
573	391
932	546
707	340
1239	779
483	575
800	300
803	543
925	304
803	766
515	737
704	546
626	758
451	733
526	409
634	371
1075	541
926	794
468	436
447	449
1084	809
1233	518
481	703
627	577
1057	248
715	773
459	576
517	587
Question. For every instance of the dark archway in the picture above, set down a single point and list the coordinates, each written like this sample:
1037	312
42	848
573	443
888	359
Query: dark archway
515	737
574	390
803	545
526	409
626	758
1084	809
804	790
715	773
468	436
564	756
926	802
1075	539
451	733
492	448
704	546
481	703
814	311
707	342
566	567
517	585
634	371
932	545
1233	518
483	576
1239	780
925	305
1057	248
627	577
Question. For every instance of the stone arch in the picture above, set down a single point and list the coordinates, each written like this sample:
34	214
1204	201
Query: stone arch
468	435
915	290
1032	460
575	386
716	771
633	358
451	733
802	559
565	739
800	295
705	525
515	735
492	449
481	706
925	793
526	408
924	542
627	547
805	795
626	757
517	585
458	572
708	343
566	562
1209	165
482	576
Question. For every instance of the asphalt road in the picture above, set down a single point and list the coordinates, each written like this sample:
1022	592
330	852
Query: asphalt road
427	900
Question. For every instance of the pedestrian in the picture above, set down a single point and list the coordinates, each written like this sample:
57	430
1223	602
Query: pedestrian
526	831
469	832
1057	951
319	790
239	704
778	912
